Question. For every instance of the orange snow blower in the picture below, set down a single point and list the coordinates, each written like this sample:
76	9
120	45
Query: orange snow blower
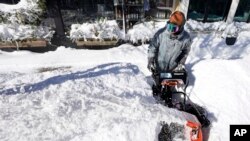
171	91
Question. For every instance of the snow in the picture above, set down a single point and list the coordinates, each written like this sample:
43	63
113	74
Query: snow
95	98
141	32
22	4
72	94
25	11
18	22
13	32
144	31
102	29
110	29
11	7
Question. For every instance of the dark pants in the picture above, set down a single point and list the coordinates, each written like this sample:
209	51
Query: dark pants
156	86
156	79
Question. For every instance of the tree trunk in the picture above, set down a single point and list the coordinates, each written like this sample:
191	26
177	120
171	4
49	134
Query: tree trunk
55	12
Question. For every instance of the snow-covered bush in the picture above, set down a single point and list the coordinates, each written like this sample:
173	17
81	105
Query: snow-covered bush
141	32
25	12
13	32
101	29
22	21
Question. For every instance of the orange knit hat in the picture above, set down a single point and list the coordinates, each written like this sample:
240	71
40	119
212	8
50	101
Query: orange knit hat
177	18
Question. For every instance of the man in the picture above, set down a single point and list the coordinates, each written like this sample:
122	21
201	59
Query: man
169	48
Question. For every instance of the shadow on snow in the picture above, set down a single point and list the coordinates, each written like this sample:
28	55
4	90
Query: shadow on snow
111	68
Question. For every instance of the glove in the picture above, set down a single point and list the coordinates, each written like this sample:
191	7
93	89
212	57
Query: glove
151	64
179	67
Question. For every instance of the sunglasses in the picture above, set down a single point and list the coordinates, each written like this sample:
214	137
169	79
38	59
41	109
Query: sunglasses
173	28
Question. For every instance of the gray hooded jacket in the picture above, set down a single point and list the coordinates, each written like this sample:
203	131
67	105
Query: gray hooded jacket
169	50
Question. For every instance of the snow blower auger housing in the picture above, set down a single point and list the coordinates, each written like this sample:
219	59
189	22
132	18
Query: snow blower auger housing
171	91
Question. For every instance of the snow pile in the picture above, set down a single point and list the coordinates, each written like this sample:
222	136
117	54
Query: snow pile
25	12
142	32
193	25
223	28
98	30
146	30
13	32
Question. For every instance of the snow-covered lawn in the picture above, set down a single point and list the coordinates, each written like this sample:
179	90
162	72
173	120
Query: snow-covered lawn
105	95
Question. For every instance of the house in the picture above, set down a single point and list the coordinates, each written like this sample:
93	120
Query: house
137	10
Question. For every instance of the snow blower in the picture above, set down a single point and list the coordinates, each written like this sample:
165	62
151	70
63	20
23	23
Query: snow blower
171	91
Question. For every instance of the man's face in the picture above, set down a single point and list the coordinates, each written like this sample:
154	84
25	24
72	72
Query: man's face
172	28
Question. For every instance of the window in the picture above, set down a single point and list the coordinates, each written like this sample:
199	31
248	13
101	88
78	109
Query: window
161	9
217	10
243	11
196	10
164	3
208	10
